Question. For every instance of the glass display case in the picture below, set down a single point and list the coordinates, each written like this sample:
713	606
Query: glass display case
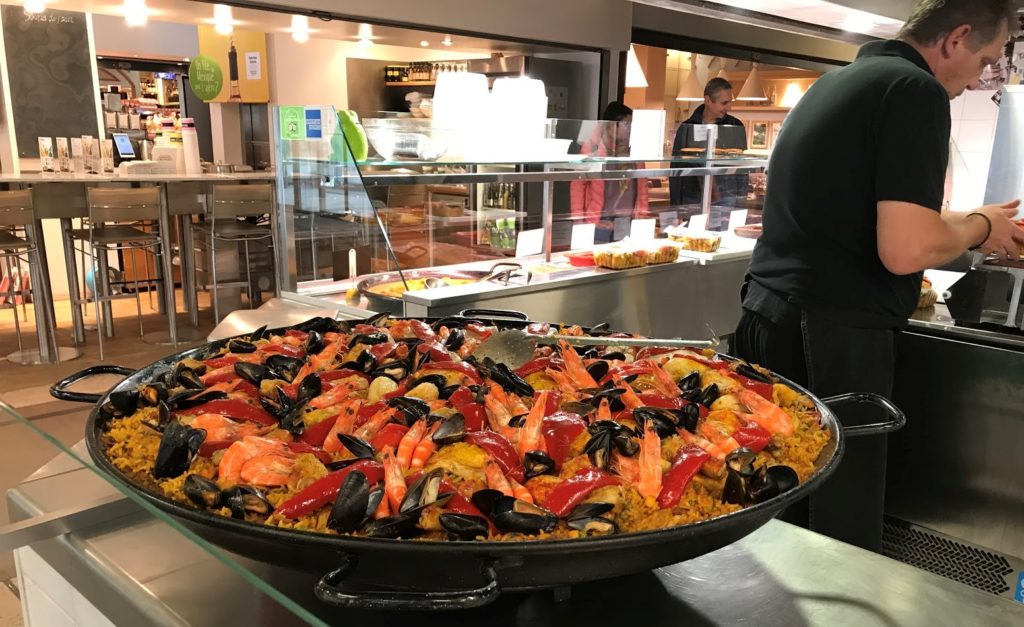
365	233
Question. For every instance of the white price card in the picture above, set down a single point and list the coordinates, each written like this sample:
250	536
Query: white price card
700	132
699	222
642	230
737	218
582	236
668	219
530	242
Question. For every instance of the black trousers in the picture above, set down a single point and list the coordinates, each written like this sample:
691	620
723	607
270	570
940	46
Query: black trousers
829	359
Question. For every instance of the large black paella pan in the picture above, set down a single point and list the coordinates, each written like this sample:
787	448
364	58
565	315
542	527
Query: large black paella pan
416	573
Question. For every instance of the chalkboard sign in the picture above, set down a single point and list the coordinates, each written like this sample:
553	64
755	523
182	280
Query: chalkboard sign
52	88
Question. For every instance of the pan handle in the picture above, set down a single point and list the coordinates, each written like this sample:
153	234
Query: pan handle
328	590
896	418
494	313
60	391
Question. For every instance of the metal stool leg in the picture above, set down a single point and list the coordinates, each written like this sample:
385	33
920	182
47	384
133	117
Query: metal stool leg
14	303
104	281
21	290
74	293
97	286
248	272
138	300
213	278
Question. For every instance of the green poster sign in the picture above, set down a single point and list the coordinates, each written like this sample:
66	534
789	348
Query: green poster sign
293	123
205	77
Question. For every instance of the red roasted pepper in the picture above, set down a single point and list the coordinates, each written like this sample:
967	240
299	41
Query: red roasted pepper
560	430
302	335
552	402
501	450
342	373
325	490
762	389
571	492
316	434
435	349
461	397
219	375
637	367
456	366
474	415
248	389
367	411
303	447
283	349
389	435
538	328
539	364
687	463
660	401
219	362
232	408
479	330
209	447
753	437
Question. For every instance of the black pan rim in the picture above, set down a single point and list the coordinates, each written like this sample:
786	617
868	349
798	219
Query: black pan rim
346	544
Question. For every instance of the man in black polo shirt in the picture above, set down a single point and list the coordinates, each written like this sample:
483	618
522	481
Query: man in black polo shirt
852	218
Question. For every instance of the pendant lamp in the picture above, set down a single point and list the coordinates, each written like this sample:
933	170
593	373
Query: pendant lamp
752	87
690	89
634	73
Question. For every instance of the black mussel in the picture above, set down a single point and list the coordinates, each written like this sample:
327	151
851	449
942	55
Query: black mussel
594	526
163	412
294	421
456	338
521	517
412	408
359	447
662	420
376	496
365	361
688	417
284	367
341	463
187	399
599	449
626	444
741	461
378	320
396	369
614	356
507	379
124	402
590	510
606	425
314	343
517	421
350	507
464	526
614	396
423	492
576	407
773	481
392	527
243	499
751	372
165	378
451	430
319	324
109	411
453	322
273	408
590	353
253	373
690	383
153	393
536	463
310	388
258	334
601	327
370	338
445	392
437	380
740	477
188	379
487	500
202	491
598	369
178	447
709	395
241	346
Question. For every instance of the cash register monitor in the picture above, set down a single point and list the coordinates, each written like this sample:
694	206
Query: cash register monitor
123	146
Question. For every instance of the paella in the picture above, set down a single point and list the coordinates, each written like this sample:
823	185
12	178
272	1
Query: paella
392	428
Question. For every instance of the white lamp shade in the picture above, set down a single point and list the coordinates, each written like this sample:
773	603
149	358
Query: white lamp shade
690	89
634	73
752	87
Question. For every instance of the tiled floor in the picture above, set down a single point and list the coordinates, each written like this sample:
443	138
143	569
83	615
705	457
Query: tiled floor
26	389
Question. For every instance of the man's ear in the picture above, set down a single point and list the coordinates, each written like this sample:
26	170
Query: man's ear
956	39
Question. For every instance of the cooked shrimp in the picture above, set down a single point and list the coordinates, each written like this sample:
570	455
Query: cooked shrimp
338	393
574	366
570	391
424	449
229	471
222	428
375	423
519	490
649	482
604	409
630	398
663	382
344	423
268	470
765	413
531	435
496	479
409	442
394	479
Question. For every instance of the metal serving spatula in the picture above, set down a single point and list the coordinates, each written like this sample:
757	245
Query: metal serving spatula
514	347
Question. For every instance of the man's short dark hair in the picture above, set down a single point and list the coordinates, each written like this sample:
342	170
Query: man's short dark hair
616	112
715	86
931	20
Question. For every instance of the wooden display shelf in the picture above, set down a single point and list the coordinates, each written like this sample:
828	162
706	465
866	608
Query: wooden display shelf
411	84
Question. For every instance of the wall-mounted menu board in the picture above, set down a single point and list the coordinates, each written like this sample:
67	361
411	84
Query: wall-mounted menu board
48	61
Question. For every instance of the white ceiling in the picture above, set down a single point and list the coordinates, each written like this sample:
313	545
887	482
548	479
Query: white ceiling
823	14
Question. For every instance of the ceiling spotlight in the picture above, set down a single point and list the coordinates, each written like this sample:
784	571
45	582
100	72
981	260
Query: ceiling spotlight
447	41
223	23
300	28
424	43
34	6
365	31
135	12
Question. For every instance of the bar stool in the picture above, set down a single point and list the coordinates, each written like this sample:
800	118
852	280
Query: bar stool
228	204
16	241
112	225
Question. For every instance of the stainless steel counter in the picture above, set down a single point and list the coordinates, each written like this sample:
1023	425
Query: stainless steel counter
937	321
137	570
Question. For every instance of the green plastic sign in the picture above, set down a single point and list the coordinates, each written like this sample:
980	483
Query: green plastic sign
205	77
293	123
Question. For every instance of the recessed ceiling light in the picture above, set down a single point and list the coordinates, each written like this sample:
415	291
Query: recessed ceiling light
34	6
223	23
424	43
447	41
300	28
135	12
